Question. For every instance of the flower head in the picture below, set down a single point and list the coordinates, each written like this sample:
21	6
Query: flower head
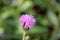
27	21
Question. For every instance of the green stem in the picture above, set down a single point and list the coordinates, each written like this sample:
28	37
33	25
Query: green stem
24	35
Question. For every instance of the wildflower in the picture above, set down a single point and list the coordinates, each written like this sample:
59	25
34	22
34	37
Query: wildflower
27	21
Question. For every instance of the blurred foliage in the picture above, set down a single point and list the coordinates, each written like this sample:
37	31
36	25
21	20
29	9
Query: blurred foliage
46	12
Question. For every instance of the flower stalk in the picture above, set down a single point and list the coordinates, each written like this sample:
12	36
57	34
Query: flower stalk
24	35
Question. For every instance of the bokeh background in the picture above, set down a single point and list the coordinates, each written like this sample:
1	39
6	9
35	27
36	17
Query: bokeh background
46	12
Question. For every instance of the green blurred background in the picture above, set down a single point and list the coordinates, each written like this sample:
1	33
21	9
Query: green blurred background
46	12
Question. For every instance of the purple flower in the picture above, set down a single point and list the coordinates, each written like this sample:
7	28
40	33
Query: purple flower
27	21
